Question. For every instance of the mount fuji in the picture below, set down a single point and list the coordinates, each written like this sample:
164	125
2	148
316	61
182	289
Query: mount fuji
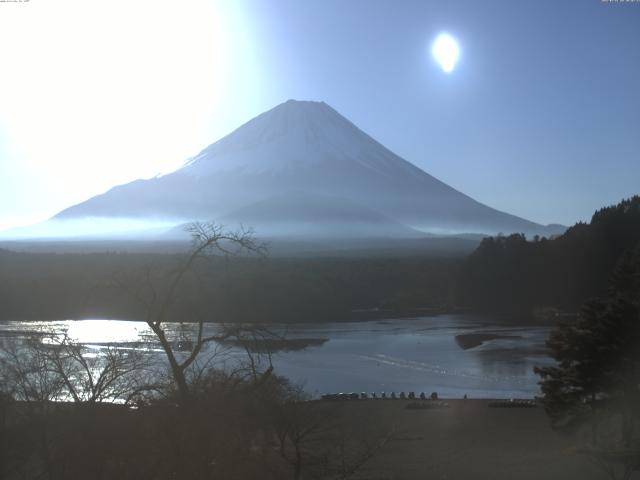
302	169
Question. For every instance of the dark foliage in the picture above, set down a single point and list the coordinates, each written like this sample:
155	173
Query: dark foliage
42	286
597	377
512	273
232	429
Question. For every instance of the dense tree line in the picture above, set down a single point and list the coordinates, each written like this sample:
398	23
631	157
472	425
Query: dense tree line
40	286
513	273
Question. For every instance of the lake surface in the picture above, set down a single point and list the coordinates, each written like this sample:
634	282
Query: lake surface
420	354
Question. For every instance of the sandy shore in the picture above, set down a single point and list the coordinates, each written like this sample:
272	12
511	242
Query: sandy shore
468	440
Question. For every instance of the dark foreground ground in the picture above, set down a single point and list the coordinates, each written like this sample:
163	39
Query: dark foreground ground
468	440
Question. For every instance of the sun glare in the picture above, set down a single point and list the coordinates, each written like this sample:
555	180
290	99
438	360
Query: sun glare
95	94
446	52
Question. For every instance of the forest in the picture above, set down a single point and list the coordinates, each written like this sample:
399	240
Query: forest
513	273
231	289
510	274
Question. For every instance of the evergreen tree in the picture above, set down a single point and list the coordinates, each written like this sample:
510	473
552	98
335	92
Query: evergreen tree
596	380
512	273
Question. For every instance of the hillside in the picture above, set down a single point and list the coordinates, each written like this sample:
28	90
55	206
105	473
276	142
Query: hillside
509	272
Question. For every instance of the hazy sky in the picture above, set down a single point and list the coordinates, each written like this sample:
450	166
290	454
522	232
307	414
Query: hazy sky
540	118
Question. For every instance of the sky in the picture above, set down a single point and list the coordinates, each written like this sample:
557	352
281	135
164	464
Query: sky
540	117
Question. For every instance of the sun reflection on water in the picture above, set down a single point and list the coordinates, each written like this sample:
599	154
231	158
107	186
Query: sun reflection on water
106	331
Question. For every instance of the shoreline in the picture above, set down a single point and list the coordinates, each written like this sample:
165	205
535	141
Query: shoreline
497	318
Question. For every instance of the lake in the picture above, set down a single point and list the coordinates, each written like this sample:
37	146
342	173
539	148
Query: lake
452	355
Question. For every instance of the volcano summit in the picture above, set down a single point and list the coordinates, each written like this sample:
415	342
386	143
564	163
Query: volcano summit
302	169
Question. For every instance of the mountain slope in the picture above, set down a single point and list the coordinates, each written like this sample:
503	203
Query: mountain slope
307	147
300	214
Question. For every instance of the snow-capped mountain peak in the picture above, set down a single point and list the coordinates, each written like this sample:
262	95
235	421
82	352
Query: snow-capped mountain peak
293	135
310	148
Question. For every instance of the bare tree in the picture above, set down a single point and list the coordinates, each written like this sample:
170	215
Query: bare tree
52	367
26	373
110	375
319	440
42	373
208	239
300	428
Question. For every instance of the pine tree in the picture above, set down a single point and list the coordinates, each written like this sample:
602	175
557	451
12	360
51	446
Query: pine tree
596	380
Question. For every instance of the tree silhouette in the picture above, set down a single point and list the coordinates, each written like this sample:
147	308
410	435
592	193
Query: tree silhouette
596	380
512	273
161	298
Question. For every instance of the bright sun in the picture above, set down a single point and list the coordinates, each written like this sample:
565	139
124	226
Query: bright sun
446	52
95	94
